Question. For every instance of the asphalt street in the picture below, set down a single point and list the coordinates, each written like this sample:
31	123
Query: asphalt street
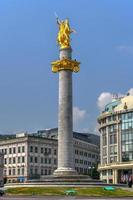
58	198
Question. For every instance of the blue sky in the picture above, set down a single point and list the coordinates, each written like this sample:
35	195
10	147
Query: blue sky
103	44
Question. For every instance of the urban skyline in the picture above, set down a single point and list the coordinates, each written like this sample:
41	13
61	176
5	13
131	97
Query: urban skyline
103	44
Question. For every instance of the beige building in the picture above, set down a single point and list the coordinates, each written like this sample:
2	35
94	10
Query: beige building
116	140
34	156
1	169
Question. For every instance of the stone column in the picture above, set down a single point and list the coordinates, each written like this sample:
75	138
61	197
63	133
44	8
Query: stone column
101	148
65	121
108	145
107	175
115	176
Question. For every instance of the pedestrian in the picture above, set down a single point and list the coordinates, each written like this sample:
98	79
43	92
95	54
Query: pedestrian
130	181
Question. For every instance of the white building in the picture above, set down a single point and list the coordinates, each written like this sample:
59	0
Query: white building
1	169
33	156
116	140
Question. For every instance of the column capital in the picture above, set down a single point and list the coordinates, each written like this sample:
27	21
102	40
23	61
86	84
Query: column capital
65	64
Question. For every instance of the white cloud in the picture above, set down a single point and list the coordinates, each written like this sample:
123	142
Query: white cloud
96	129
126	49
130	91
78	114
103	99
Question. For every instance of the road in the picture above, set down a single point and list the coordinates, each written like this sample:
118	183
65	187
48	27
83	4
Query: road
58	198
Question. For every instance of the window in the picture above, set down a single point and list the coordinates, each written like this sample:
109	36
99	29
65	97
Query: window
2	150
41	159
81	161
19	150
46	151
49	151
93	155
81	170
104	139
49	160
36	171
126	128
14	150
55	161
89	155
10	150
18	159
104	151
45	171
89	163
85	162
5	161
113	139
113	159
10	172
41	149
31	171
35	159
31	149
54	151
10	160
112	128
23	159
49	171
18	171
23	171
36	150
41	171
5	172
14	170
85	154
31	159
76	151
23	149
113	150
104	172
110	172
104	160
14	160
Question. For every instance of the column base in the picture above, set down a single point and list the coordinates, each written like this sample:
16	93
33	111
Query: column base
63	172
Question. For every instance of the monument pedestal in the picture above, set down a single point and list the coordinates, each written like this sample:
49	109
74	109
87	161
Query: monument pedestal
64	172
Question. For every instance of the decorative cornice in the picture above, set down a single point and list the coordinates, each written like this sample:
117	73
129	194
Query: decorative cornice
65	64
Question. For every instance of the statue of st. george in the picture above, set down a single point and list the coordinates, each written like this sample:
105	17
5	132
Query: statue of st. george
63	38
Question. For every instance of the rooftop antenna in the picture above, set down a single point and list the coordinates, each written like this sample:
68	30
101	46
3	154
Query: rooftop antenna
114	96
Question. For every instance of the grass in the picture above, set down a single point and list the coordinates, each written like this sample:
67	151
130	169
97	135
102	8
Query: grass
54	191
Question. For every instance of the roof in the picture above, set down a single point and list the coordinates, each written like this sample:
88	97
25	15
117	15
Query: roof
126	103
120	104
87	137
53	134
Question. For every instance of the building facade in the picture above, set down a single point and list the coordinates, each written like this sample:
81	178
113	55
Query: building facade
33	156
1	169
116	140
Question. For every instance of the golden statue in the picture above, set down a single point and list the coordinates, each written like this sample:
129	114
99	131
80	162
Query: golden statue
63	38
